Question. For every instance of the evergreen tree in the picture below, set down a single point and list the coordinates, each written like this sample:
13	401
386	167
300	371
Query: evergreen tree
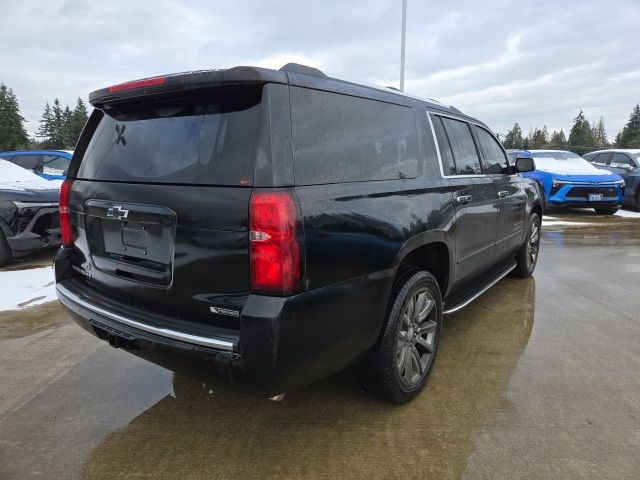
558	141
13	135
79	117
513	138
539	138
581	138
629	137
56	140
66	127
46	127
599	133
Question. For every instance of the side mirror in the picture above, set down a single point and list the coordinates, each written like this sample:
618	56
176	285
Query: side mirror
525	164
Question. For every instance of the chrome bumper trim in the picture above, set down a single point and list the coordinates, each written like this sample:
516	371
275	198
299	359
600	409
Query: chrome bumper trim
66	296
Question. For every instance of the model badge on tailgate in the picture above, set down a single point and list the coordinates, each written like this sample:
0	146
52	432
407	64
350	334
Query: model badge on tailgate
224	311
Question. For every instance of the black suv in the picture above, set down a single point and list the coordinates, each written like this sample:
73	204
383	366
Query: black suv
270	228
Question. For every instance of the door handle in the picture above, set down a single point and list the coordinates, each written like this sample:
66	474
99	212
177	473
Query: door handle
464	199
503	193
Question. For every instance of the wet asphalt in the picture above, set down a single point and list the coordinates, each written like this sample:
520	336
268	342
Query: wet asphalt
539	378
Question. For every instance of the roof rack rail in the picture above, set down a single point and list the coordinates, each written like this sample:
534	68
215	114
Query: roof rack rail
298	68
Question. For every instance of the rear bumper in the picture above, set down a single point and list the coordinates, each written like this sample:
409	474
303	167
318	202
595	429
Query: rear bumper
282	343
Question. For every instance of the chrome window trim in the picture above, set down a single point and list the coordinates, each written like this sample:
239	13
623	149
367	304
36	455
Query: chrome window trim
435	139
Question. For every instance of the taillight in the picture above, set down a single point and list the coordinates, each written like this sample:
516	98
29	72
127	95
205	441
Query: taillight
274	248
65	215
145	82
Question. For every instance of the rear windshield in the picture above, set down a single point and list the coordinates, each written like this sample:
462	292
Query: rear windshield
208	140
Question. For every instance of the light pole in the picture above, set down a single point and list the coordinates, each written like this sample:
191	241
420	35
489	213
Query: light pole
402	42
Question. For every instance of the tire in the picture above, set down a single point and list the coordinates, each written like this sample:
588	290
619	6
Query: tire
399	366
5	251
527	256
606	211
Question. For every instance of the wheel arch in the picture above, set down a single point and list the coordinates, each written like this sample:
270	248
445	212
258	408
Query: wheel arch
431	251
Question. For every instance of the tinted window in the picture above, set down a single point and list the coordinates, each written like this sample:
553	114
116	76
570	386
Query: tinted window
620	160
31	162
494	158
602	159
338	138
207	140
464	150
448	165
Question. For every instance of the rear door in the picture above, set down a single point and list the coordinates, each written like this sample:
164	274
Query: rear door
474	195
160	200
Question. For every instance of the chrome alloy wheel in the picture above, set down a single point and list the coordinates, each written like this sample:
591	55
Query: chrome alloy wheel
533	243
416	337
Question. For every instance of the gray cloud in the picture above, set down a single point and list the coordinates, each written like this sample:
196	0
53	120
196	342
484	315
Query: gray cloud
532	62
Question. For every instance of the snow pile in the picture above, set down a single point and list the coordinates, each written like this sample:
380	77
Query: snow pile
14	177
24	288
568	166
627	214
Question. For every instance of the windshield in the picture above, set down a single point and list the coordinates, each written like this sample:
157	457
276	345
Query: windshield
209	140
571	165
556	155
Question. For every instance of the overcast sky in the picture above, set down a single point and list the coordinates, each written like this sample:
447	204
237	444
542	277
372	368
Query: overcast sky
533	62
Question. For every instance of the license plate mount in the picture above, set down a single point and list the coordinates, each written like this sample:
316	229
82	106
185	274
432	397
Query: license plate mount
595	197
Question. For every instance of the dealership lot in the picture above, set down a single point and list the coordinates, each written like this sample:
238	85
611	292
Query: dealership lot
537	379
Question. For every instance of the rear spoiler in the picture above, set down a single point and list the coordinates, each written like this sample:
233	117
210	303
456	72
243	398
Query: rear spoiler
185	81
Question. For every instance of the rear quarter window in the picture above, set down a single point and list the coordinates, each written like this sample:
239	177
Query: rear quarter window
339	138
207	140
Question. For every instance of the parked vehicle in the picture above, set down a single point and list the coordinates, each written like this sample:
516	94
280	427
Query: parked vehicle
568	180
270	228
49	164
29	218
625	163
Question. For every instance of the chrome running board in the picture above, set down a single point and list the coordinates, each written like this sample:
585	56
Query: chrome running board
499	277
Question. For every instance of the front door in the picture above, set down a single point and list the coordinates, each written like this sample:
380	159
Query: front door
510	195
474	195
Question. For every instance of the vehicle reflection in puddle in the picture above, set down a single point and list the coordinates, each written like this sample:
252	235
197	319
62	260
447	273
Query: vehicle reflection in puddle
332	427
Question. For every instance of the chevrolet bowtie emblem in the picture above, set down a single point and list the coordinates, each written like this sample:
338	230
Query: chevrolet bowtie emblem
117	212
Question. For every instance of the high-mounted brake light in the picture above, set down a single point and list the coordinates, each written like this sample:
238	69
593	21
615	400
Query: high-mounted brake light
66	231
274	249
145	82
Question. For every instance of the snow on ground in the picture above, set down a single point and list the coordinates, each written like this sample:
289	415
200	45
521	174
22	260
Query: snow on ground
14	177
24	288
628	213
564	223
585	218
